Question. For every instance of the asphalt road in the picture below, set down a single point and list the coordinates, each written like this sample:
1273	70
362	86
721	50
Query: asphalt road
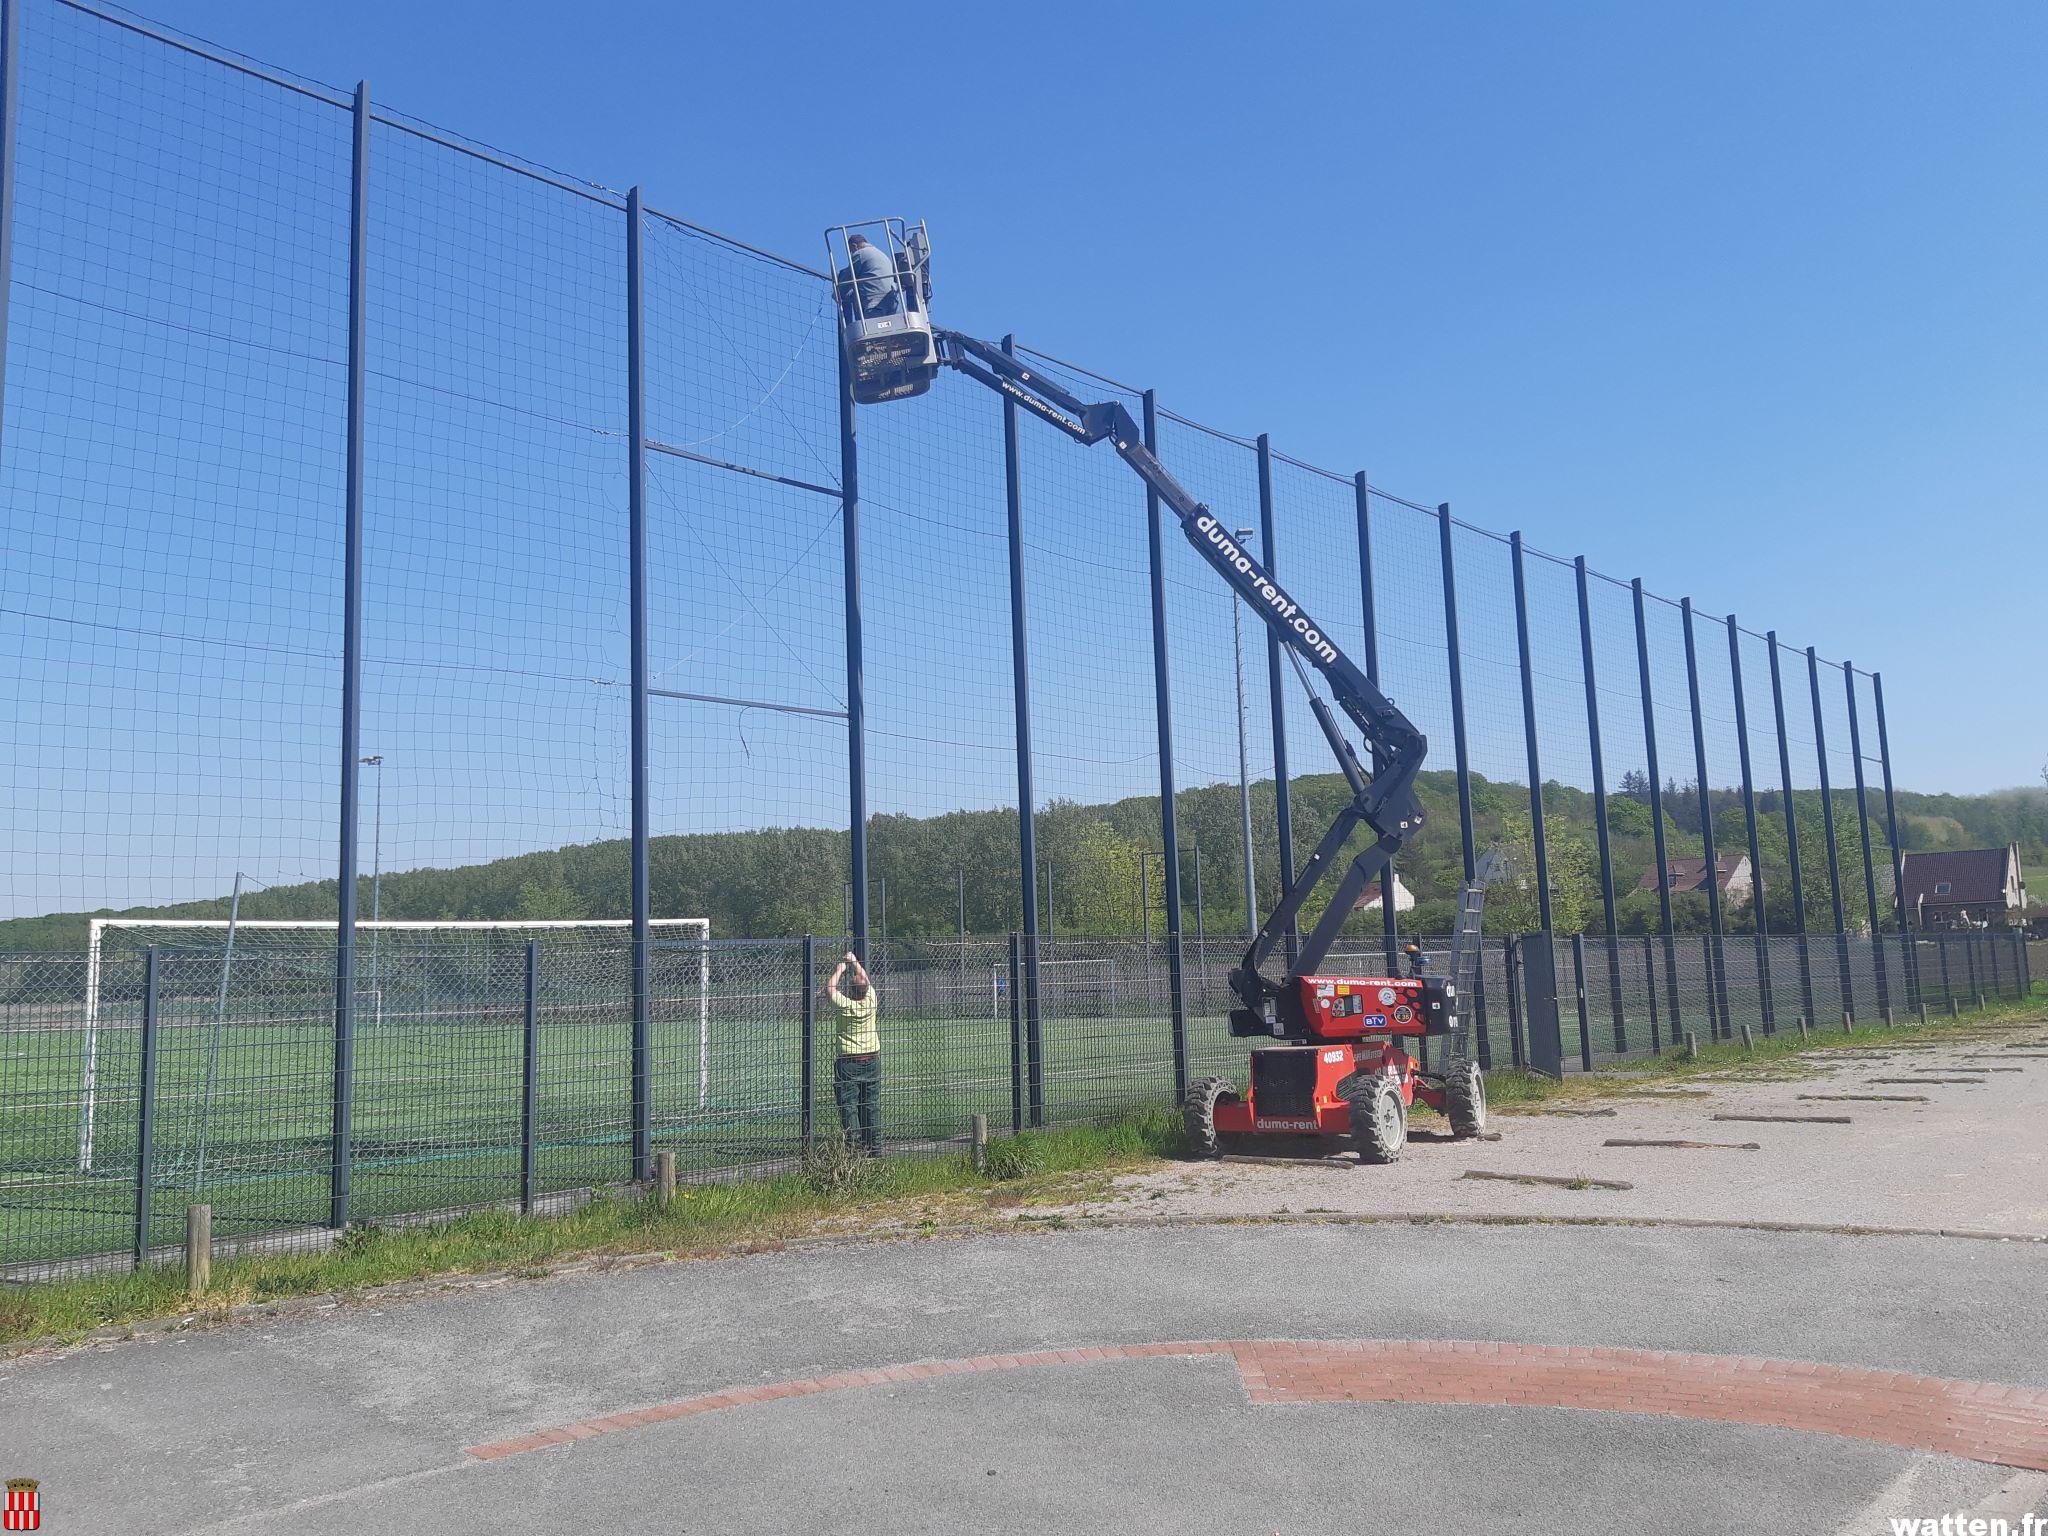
357	1419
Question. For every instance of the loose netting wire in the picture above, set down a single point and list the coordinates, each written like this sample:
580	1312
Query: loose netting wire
1634	961
1558	686
1819	947
1415	673
1104	993
1316	526
1738	965
168	611
1689	945
1773	876
1501	821
1899	980
747	658
494	625
944	887
1842	767
1214	644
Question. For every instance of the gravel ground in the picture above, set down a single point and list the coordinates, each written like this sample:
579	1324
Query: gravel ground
1972	1156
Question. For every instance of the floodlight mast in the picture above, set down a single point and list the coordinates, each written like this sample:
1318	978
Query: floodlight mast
1384	803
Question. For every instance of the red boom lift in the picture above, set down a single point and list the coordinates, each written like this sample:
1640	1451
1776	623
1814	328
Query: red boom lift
1338	1063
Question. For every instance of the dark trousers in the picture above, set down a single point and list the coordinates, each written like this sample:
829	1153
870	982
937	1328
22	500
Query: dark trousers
857	1085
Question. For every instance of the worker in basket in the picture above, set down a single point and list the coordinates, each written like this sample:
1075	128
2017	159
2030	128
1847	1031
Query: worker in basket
867	283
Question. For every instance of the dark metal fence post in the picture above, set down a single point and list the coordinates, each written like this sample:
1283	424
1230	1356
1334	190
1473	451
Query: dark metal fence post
1507	961
341	1147
1579	985
1016	1035
1461	746
1650	977
1707	958
10	117
1656	806
856	663
1717	992
1169	820
1827	822
1600	807
1283	795
1948	991
1880	979
642	1081
529	1078
145	1123
1529	734
1390	922
1891	819
1970	960
1767	1003
809	1062
1791	835
1020	690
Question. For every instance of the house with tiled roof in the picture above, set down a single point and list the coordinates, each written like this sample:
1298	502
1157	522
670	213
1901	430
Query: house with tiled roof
1369	898
1966	887
1732	872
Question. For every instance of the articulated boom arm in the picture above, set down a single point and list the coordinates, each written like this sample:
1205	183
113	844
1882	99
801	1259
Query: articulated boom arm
1384	802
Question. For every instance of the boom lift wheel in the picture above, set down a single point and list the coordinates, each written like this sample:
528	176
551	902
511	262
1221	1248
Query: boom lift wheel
1465	1100
1379	1120
1198	1113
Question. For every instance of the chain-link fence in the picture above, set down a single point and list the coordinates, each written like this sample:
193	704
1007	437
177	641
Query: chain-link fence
506	1079
329	437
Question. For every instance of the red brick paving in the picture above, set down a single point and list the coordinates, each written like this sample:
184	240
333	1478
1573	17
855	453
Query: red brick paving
1981	1421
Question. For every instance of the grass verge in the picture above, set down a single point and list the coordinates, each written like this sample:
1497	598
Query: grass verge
833	1195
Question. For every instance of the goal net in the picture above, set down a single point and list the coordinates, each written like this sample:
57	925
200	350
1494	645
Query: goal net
429	978
1077	989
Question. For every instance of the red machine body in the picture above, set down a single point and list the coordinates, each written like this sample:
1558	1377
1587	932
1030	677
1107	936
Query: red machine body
1355	1024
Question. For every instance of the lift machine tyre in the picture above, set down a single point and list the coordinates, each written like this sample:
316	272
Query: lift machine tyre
1337	1063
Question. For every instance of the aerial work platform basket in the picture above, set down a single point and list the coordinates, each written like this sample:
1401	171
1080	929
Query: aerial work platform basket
882	284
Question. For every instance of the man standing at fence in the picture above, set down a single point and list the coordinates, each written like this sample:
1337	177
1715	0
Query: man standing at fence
857	1076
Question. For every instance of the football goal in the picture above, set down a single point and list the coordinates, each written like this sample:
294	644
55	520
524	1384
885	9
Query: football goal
1067	988
428	977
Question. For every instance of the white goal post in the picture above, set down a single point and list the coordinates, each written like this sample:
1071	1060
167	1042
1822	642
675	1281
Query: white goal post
672	930
1061	974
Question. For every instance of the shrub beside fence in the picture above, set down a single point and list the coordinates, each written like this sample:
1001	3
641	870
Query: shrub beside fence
507	1080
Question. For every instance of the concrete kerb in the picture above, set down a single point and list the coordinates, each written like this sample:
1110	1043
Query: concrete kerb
449	1285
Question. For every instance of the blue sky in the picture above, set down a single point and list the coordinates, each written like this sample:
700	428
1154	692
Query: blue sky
1746	303
1745	299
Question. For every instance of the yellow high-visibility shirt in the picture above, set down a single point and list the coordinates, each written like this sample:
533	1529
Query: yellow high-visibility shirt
857	1033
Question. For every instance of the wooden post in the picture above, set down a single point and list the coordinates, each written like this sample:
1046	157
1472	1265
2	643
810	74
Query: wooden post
1848	1021
981	1143
1692	1046
664	1178
198	1247
1748	1042
1803	1036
